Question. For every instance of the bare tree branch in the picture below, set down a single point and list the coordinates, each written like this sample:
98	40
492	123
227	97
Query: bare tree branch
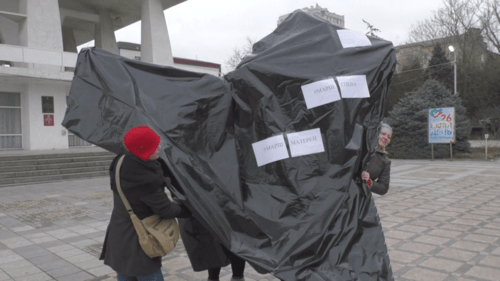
490	18
238	54
372	29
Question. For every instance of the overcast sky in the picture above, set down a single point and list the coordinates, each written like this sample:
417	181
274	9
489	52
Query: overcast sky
209	30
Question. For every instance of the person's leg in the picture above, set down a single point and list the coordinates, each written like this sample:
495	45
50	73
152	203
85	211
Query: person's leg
157	276
213	274
238	267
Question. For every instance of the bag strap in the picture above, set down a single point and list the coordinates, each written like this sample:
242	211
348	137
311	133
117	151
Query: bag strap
119	188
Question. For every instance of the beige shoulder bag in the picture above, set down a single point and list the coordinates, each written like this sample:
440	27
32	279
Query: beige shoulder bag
157	236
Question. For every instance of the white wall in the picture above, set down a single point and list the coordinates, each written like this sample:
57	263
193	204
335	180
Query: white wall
40	136
8	31
131	54
196	68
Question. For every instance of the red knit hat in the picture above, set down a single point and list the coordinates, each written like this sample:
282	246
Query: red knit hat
141	141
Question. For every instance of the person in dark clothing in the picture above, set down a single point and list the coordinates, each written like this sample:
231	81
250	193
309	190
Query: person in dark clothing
378	169
142	179
206	252
237	266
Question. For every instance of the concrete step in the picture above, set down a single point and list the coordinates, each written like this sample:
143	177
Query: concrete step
23	168
49	172
51	178
55	155
58	160
28	169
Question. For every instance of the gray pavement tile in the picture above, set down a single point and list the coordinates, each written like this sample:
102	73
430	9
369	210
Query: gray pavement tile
29	232
442	264
16	242
43	240
429	231
74	239
4	276
31	251
35	277
63	271
48	258
6	233
22	272
15	264
70	253
10	222
419	248
101	270
83	243
51	244
80	258
7	256
53	265
89	264
78	276
61	248
470	246
424	274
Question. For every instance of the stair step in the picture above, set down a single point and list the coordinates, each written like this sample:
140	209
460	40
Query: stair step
12	163
43	168
6	169
37	173
51	178
55	155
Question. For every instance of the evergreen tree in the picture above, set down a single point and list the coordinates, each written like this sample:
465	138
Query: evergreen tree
440	68
408	80
410	123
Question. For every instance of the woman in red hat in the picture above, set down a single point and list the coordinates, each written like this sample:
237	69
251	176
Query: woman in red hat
142	179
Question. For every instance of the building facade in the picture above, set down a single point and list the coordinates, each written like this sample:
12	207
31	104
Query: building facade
133	51
471	42
323	13
38	52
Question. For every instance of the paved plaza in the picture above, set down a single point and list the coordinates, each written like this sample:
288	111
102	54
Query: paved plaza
441	220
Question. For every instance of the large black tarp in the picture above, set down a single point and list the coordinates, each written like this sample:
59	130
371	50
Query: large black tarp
301	218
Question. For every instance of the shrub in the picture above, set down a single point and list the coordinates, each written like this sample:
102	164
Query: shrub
410	123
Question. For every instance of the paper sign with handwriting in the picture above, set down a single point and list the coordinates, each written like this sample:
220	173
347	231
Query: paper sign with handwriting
305	142
270	150
353	86
351	38
320	93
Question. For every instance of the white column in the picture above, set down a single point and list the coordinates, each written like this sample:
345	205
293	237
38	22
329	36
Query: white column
69	40
155	43
42	27
105	33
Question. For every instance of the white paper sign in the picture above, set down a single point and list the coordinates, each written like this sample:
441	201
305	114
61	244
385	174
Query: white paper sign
351	38
353	86
270	150
305	142
320	93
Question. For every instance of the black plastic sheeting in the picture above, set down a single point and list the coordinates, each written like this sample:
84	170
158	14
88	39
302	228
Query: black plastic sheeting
301	218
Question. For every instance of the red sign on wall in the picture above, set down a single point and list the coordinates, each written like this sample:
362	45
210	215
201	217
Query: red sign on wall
48	119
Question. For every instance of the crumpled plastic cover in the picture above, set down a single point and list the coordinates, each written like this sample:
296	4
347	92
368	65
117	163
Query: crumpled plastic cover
305	217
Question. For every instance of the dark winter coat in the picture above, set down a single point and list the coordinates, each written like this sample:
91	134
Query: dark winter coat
204	251
143	183
379	168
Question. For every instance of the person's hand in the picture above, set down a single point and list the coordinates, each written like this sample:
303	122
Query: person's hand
365	176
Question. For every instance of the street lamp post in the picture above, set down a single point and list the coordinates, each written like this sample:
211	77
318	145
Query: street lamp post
454	68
